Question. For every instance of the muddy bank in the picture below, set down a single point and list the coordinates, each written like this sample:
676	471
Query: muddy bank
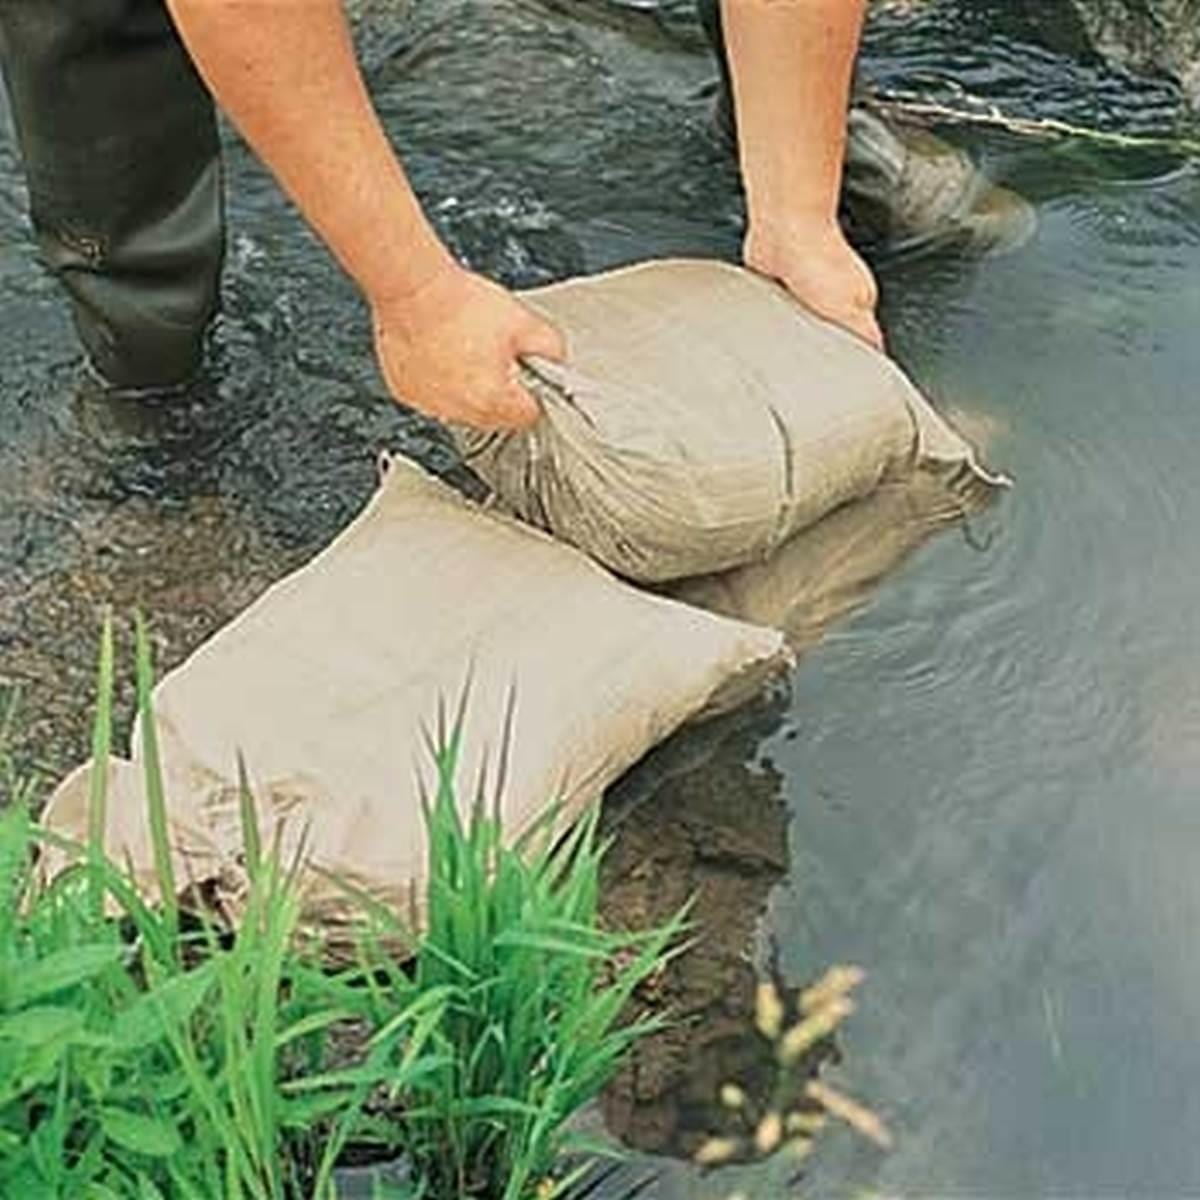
696	821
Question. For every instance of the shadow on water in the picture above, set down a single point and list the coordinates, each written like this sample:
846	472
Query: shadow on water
982	787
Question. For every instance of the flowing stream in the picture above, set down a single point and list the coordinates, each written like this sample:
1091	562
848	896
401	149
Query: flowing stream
983	787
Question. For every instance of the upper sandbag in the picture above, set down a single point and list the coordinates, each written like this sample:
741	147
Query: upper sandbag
326	683
702	418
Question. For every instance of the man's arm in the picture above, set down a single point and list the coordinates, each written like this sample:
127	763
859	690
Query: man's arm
792	62
286	74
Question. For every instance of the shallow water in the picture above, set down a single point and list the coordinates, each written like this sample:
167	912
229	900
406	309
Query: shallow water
1015	855
982	788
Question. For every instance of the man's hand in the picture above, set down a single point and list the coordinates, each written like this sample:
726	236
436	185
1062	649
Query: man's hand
451	349
822	271
791	63
447	340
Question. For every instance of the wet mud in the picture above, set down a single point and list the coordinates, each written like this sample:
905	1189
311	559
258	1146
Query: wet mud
712	832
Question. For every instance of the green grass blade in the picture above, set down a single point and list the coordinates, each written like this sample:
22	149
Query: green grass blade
155	797
248	812
98	778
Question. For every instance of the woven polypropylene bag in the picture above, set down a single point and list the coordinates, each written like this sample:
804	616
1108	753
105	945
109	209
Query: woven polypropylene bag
326	682
702	419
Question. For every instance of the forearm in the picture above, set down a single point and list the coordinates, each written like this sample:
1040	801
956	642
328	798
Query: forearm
792	62
286	74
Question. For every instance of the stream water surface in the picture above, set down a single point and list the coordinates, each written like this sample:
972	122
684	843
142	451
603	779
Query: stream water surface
982	788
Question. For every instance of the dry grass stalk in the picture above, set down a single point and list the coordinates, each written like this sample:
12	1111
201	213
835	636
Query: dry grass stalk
974	110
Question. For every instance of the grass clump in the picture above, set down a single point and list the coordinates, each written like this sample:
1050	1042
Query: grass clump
149	1052
518	992
134	1065
140	1054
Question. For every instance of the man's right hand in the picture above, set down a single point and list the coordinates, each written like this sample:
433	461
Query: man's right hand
448	341
451	348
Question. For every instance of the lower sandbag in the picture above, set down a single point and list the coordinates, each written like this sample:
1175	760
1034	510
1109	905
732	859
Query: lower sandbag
328	682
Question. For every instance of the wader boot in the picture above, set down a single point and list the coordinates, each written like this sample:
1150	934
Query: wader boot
902	187
119	141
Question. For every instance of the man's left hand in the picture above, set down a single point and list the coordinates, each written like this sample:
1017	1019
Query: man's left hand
822	271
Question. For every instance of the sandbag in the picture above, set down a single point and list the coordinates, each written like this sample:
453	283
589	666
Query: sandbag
703	418
327	681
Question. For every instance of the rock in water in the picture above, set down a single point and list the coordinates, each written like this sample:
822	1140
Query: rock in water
1147	35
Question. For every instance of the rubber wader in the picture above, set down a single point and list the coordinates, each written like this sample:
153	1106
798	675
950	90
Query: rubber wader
119	140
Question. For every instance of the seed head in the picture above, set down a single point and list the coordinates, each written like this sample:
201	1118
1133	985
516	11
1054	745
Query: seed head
812	1029
716	1151
768	1010
769	1133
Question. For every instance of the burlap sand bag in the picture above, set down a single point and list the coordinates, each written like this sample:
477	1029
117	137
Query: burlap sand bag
325	683
703	418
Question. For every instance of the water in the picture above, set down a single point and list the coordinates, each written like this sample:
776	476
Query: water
981	788
1015	853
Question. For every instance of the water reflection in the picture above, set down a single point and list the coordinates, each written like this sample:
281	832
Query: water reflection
1018	851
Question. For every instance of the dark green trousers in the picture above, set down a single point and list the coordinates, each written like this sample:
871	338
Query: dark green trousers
119	141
